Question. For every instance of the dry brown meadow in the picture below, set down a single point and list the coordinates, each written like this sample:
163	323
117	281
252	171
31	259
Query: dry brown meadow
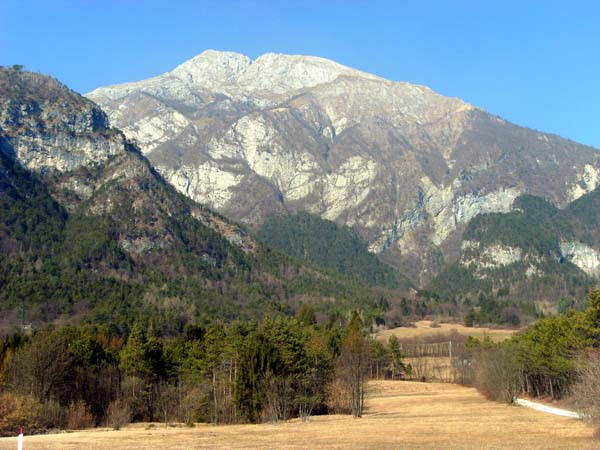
424	329
400	415
425	346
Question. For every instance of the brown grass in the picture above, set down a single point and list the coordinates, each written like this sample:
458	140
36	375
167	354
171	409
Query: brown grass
400	414
424	331
432	368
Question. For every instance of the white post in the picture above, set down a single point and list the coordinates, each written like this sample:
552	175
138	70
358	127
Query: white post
20	440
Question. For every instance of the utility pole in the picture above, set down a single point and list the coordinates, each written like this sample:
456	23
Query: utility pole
21	314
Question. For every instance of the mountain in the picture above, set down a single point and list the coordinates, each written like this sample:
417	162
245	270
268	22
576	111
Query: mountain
403	166
89	229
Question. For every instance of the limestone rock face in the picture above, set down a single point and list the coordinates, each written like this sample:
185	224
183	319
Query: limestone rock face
493	256
47	135
404	166
484	261
92	168
583	256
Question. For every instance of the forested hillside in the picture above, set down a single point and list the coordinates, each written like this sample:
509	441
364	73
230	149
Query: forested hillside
89	230
324	243
537	251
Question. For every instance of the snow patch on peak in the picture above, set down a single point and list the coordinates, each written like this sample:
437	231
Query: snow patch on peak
212	69
238	76
279	73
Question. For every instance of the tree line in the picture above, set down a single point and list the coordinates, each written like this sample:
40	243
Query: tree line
240	372
546	359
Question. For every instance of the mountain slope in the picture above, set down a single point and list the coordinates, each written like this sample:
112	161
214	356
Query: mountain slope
88	227
536	250
405	167
325	244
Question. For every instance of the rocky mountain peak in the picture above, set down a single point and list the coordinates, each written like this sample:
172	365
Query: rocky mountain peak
279	73
212	69
270	76
273	72
43	102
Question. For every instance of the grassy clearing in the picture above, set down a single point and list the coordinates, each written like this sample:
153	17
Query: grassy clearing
432	368
423	330
407	415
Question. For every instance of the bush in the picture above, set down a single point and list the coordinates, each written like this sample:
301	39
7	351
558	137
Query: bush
52	415
18	411
79	416
339	397
137	396
118	414
190	398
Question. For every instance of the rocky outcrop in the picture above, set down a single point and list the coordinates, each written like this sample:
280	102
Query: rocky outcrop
92	169
484	261
583	256
405	167
492	257
587	181
48	135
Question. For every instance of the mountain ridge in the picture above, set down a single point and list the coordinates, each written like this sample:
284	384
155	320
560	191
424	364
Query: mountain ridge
217	69
403	166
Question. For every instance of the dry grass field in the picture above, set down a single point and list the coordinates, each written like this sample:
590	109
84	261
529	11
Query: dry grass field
424	329
400	415
432	368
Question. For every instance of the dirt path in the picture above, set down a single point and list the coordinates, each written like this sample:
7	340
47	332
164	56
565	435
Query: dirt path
401	415
547	408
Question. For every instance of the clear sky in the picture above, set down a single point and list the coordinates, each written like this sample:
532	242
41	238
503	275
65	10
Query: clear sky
536	63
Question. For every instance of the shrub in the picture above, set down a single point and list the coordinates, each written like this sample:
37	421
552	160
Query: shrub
497	374
118	414
79	416
190	398
18	411
339	397
52	415
279	398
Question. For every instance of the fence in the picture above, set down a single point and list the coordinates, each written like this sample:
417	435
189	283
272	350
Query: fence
440	361
448	349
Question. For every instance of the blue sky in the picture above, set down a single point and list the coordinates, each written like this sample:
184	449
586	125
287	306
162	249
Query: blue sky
536	63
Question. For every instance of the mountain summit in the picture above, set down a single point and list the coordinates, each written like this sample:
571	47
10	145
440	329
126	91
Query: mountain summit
405	167
238	75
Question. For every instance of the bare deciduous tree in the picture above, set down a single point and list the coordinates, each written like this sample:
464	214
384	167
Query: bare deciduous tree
353	363
118	414
586	391
279	395
497	374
